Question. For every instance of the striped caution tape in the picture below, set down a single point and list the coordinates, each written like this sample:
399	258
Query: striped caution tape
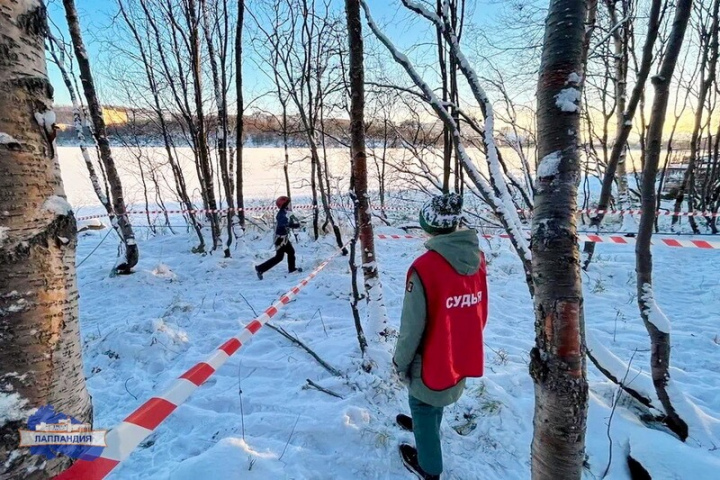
588	211
660	213
615	239
198	210
668	242
125	437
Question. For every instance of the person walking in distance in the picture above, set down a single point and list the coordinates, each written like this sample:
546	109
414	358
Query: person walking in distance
284	224
440	343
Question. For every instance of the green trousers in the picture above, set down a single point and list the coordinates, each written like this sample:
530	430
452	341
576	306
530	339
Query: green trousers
426	427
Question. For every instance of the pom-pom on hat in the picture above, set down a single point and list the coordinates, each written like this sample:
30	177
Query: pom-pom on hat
441	214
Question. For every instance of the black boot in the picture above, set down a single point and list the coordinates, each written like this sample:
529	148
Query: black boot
259	273
405	422
408	454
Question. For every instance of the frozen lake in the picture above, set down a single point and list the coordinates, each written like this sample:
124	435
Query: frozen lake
263	173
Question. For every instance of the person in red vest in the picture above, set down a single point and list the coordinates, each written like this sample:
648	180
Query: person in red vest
440	342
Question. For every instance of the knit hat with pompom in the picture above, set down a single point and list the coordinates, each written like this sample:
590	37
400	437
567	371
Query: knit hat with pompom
441	214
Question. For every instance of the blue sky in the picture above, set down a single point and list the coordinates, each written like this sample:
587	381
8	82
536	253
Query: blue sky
401	26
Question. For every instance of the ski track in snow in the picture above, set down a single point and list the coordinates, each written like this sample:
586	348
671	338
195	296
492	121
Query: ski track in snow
142	331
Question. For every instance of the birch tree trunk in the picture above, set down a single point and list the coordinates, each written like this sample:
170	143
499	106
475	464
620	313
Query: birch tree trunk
495	193
709	60
78	125
286	153
657	325
557	363
193	19
222	127
357	134
625	128
621	59
132	253
373	287
181	187
240	113
40	354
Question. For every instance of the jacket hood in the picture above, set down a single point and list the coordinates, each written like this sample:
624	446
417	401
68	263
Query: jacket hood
461	249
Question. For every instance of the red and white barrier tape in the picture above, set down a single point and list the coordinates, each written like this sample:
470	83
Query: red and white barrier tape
660	213
615	239
125	437
198	210
588	211
668	242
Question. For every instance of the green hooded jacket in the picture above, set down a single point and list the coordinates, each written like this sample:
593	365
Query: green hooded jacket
462	251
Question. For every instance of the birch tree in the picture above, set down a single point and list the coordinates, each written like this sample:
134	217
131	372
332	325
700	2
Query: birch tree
155	76
303	44
218	57
40	354
557	362
709	26
132	253
373	287
657	324
240	113
495	192
63	61
626	117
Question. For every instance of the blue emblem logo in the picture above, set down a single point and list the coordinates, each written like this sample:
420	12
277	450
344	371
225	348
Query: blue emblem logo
51	433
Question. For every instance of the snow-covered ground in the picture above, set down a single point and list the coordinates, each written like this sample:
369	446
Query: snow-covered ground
256	418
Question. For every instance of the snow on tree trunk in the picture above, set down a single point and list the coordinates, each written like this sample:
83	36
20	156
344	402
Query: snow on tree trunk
132	253
40	352
557	363
657	324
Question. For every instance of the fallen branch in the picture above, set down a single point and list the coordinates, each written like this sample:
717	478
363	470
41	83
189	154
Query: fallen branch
322	389
333	371
613	367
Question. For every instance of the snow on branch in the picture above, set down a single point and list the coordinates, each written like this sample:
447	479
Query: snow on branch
638	385
652	310
503	206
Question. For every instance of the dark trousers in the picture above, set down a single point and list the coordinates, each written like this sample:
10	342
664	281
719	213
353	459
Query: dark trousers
426	427
280	251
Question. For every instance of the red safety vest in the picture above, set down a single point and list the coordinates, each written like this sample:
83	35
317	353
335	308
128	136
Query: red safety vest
452	346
